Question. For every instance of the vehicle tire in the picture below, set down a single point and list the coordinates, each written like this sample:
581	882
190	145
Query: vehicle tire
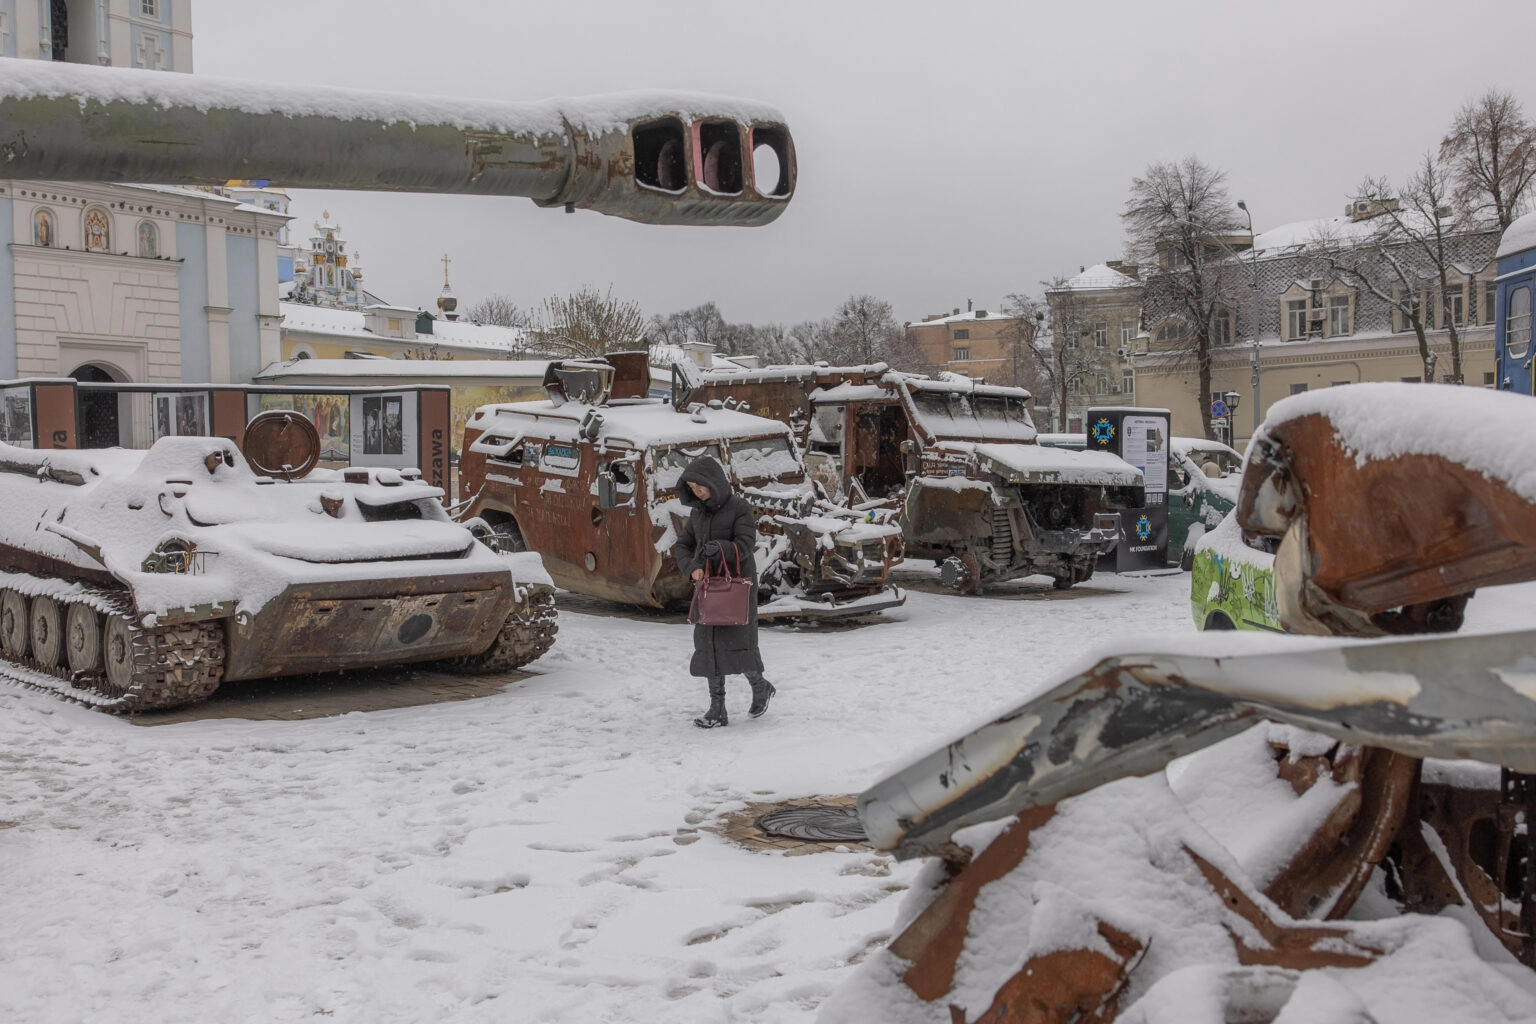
1218	620
82	639
45	629
504	536
13	625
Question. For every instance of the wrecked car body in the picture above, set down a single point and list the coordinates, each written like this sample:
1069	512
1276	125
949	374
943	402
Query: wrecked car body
588	480
1416	757
134	580
978	494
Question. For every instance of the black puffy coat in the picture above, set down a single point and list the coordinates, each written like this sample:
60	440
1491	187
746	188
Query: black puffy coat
721	527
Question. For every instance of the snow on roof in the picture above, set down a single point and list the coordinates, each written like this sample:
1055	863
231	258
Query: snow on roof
404	368
1098	276
549	118
1037	462
1472	426
1520	235
640	422
298	316
967	317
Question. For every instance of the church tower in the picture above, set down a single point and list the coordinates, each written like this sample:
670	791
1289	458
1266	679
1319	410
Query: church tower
447	302
325	275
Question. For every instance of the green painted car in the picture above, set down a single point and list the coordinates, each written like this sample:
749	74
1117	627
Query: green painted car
1203	480
1232	585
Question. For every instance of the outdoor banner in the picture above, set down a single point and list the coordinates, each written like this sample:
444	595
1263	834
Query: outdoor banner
16	417
331	415
384	430
181	414
1140	437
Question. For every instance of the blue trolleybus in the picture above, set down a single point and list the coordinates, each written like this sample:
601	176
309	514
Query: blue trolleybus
1517	287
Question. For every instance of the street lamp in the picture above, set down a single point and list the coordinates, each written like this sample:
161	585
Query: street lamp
1253	248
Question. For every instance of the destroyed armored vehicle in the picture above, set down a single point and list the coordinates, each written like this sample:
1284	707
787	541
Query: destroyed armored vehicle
978	494
134	580
1409	765
588	480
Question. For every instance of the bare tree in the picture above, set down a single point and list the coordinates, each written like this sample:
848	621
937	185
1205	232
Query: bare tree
1490	155
588	323
1178	218
864	329
1031	356
499	311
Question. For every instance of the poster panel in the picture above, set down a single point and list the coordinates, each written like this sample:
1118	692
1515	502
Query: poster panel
331	415
16	417
181	414
384	430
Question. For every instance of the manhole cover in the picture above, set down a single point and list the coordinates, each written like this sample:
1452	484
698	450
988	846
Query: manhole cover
819	823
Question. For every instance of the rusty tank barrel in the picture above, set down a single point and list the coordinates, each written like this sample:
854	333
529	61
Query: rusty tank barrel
657	158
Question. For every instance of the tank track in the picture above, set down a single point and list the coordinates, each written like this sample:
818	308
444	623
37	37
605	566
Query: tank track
526	635
171	665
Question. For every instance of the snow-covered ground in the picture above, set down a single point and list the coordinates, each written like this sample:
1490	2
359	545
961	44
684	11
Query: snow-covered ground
539	854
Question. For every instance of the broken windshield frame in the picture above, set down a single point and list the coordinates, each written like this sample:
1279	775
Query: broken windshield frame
960	415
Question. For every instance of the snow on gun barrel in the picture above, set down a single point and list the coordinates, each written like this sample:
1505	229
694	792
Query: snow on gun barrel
588	478
658	158
133	580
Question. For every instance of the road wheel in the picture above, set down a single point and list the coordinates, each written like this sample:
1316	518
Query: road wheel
82	639
45	627
13	625
117	653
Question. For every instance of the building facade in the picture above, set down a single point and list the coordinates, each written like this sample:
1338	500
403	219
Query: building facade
1095	319
152	34
1311	306
977	343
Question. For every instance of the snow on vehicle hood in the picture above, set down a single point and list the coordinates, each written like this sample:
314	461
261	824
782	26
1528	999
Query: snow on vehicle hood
1037	464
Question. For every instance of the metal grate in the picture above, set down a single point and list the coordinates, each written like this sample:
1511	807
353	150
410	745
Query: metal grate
819	823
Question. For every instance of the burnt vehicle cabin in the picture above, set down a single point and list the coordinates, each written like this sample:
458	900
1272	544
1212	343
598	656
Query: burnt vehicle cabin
588	479
978	494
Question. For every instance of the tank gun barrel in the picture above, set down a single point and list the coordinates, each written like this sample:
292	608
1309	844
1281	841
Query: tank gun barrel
657	158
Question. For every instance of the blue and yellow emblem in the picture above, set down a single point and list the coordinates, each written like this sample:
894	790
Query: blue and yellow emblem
1143	528
1103	431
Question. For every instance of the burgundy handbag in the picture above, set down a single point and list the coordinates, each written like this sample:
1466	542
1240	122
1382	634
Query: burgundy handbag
724	600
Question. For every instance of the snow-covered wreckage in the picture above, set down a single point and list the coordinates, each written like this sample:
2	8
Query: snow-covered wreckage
1343	813
978	493
588	478
133	580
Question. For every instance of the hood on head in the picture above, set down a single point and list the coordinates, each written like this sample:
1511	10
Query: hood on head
704	470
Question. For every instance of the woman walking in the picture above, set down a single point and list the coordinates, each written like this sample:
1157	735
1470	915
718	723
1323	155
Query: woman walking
720	529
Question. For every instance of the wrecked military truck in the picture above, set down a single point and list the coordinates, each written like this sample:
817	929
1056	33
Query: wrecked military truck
137	580
977	493
587	478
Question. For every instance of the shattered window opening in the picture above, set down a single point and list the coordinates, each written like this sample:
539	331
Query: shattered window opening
671	461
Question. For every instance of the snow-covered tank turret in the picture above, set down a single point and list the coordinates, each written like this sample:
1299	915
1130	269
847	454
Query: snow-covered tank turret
143	579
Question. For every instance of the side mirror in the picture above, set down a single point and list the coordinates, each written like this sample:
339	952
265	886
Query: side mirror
607	491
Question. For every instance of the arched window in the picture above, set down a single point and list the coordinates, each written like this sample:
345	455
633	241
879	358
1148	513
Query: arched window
44	229
149	240
98	230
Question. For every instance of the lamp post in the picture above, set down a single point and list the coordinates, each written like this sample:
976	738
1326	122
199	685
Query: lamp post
1253	248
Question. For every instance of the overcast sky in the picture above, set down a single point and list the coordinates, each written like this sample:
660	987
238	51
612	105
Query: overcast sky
946	151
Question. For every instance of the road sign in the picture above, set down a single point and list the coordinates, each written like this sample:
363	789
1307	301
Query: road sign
1219	409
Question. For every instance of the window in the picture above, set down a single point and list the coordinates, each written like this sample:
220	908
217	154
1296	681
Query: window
1490	379
1429	311
1102	380
1173	332
1128	381
1069	337
1295	319
1338	315
44	231
1298	389
1517	323
1221	328
1101	335
962	334
1456	305
149	240
1490	299
962	353
1127	333
149	8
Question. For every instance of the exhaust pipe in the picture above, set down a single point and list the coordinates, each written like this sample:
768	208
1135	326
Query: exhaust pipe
657	158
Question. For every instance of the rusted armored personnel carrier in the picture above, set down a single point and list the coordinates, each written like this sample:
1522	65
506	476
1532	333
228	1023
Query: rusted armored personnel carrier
978	494
588	480
135	580
1416	756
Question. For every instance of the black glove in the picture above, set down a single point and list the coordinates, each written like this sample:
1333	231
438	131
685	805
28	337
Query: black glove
711	549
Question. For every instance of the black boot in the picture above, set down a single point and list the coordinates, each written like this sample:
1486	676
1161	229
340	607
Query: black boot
715	716
762	693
